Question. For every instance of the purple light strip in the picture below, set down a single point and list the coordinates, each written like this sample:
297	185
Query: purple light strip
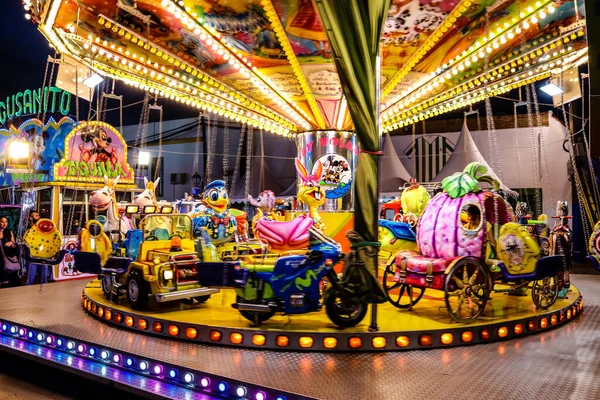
142	373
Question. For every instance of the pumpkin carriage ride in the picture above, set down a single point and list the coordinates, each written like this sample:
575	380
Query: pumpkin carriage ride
470	246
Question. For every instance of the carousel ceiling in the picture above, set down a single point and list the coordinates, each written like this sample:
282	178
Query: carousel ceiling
268	62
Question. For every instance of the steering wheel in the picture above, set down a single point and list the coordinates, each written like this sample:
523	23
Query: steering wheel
150	238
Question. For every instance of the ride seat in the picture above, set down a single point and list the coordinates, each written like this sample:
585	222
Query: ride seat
160	233
132	241
411	266
91	263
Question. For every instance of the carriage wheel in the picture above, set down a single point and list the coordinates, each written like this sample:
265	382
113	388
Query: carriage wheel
545	291
467	290
399	294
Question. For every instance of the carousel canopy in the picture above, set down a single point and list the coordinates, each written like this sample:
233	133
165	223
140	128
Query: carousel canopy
269	63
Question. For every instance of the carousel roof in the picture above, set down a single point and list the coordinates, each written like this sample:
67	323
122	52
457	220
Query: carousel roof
268	62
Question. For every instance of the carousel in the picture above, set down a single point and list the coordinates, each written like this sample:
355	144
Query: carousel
461	259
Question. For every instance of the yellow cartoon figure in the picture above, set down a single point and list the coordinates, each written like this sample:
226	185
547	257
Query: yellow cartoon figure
517	249
43	239
92	239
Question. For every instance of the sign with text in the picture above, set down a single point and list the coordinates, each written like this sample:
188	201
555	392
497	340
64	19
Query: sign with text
92	150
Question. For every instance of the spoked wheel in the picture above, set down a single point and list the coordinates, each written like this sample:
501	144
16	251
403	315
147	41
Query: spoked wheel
467	290
399	294
342	312
545	291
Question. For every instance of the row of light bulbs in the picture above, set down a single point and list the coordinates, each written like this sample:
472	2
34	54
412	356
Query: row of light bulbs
498	35
464	101
220	105
430	42
197	78
509	67
509	83
212	38
206	103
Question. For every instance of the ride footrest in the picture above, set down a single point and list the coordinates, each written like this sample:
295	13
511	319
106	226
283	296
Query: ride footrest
222	274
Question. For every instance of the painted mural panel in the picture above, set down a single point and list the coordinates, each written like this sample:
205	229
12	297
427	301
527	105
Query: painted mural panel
46	143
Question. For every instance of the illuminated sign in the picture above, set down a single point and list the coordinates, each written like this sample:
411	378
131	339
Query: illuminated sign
31	102
92	150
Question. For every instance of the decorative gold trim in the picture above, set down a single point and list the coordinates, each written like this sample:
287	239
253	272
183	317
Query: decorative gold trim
291	56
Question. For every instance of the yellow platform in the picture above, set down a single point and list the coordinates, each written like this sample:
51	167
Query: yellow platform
427	325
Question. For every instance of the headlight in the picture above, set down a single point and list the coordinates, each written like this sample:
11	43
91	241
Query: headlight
168	274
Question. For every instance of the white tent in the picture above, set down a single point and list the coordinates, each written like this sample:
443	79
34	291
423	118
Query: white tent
466	152
393	173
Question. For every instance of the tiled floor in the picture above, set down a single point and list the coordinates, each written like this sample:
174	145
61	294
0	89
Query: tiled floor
558	364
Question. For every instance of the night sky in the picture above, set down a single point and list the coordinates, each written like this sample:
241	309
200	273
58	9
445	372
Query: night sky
25	50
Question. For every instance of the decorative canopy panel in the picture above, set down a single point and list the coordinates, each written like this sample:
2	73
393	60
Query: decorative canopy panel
269	63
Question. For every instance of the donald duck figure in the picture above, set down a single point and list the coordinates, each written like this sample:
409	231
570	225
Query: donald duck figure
215	220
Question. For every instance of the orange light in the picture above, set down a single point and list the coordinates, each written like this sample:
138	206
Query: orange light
173	330
425	340
282	341
259	340
89	306
118	318
553	320
379	342
518	329
329	262
502	331
402	341
543	323
531	325
143	324
236	338
574	311
447	338
305	341
100	312
157	327
215	336
191	333
568	314
85	303
466	336
108	315
176	242
562	317
129	321
485	334
94	308
355	342
330	342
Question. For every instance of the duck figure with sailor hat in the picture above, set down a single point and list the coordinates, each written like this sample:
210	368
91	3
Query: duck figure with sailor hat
216	220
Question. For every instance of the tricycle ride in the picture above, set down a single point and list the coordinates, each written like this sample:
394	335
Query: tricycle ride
468	242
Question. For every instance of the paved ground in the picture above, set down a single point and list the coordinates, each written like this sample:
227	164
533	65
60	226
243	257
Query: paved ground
563	363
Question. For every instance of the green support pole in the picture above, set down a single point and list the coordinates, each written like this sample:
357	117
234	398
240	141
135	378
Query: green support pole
354	30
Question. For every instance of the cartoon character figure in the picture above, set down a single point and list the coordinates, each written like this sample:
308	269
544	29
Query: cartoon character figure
311	193
216	220
265	201
100	150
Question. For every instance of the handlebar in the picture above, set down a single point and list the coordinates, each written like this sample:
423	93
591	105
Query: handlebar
26	254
